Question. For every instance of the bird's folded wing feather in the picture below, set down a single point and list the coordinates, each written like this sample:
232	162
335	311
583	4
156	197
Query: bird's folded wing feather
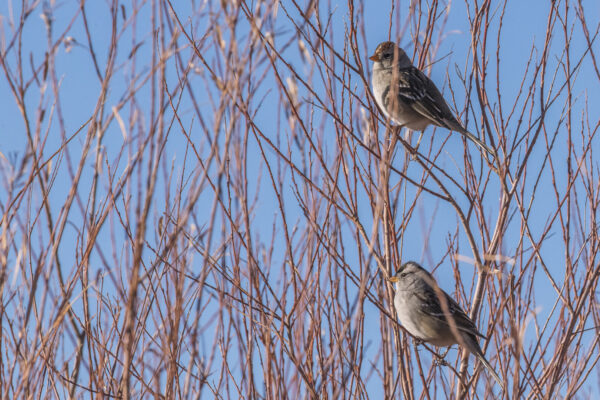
417	90
430	304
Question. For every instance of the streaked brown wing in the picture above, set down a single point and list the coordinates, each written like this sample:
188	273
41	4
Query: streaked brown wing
430	304
417	90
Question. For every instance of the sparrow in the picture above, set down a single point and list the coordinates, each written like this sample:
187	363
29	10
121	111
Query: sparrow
428	313
408	97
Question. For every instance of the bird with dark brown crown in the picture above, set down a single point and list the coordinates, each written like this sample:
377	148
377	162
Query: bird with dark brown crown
408	97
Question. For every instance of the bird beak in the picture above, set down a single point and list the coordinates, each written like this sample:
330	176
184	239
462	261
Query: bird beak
374	57
393	279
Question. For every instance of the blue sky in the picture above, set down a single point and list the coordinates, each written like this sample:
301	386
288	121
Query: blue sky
522	33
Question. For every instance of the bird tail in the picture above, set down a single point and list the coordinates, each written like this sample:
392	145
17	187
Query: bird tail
490	369
478	142
456	126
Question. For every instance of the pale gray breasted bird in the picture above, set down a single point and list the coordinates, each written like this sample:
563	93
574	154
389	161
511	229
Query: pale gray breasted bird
408	97
420	307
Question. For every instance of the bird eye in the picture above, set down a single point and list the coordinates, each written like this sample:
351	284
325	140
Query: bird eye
387	56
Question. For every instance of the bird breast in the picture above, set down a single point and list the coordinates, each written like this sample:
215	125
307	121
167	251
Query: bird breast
424	327
392	106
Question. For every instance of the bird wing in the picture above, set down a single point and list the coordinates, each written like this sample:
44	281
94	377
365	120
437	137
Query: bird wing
431	305
417	90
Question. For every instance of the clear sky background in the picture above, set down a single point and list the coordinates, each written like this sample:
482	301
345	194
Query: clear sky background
432	230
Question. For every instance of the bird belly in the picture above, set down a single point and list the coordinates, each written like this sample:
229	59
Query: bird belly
406	117
434	331
411	119
402	114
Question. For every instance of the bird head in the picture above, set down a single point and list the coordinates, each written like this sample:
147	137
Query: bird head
405	269
388	54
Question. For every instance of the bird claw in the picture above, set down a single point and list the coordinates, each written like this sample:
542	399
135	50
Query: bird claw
439	361
413	155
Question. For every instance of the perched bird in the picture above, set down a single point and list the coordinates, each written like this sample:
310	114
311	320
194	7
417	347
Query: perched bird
408	97
421	310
